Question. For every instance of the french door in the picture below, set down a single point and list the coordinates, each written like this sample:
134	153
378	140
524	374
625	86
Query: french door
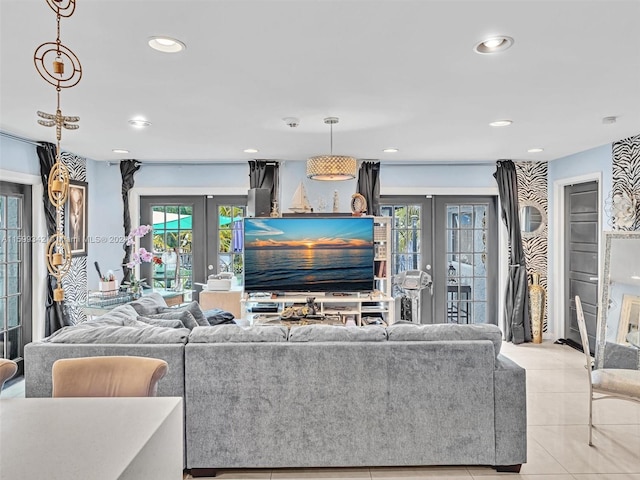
15	270
177	241
454	239
193	237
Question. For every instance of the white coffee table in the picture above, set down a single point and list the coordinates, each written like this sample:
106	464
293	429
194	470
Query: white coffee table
91	438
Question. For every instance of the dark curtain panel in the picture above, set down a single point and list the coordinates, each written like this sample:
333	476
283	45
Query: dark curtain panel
128	168
55	317
265	174
369	186
517	317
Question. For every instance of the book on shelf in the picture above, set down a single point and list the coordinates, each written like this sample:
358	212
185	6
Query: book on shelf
381	270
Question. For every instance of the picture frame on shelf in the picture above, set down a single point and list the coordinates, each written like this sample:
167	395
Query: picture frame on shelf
76	217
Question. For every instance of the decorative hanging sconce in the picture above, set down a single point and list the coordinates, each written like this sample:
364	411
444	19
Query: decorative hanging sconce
50	59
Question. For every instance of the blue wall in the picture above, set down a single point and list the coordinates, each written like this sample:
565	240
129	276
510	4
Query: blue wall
212	176
105	222
18	156
437	176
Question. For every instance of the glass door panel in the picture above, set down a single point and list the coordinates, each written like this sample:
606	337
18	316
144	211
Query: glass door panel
178	257
225	225
15	268
470	261
410	246
172	247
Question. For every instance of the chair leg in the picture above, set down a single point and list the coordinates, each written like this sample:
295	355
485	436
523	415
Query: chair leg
590	419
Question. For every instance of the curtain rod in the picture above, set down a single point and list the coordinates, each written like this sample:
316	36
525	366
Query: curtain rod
158	163
179	164
19	138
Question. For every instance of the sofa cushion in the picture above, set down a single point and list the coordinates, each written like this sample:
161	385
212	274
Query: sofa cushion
446	331
337	333
193	308
161	322
147	304
117	316
239	334
184	316
111	334
217	316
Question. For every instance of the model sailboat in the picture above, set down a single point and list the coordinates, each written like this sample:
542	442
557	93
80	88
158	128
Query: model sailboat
300	202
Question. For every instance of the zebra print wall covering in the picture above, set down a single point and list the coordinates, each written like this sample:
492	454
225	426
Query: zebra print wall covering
626	175
532	189
75	282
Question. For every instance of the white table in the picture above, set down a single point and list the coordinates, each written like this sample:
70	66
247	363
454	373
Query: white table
91	438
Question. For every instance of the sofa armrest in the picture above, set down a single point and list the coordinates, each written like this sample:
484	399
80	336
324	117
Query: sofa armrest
510	385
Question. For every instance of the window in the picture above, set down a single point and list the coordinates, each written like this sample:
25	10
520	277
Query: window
225	226
406	236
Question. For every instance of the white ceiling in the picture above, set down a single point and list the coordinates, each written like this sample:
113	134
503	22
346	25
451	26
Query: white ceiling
397	73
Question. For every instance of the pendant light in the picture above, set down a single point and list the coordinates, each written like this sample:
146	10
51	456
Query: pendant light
331	167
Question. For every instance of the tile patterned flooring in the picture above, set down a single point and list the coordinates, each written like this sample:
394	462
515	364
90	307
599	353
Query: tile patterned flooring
557	415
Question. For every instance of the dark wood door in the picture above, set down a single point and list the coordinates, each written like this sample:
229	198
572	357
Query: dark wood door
581	258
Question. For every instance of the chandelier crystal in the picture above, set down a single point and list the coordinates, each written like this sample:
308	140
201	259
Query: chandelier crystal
332	167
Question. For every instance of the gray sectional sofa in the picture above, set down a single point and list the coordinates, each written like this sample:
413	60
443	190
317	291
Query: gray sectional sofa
329	396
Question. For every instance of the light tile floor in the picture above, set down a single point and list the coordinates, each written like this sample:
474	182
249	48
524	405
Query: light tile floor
557	415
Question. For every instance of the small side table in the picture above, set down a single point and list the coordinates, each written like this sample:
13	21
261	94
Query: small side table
228	300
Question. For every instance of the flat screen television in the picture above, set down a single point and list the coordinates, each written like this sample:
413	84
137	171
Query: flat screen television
311	254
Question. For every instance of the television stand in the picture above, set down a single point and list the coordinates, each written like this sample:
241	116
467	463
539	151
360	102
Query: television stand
353	306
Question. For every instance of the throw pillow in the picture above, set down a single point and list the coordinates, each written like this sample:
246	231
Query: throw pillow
148	304
185	317
117	316
193	308
217	316
160	322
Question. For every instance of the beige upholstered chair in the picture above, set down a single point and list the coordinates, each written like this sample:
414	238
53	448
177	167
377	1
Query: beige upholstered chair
609	382
107	376
8	369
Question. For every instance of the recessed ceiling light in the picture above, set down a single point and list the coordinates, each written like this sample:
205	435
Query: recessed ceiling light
635	277
495	44
166	44
501	123
390	150
250	150
120	150
535	150
139	122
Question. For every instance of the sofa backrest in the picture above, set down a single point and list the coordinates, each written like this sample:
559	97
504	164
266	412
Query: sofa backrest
446	332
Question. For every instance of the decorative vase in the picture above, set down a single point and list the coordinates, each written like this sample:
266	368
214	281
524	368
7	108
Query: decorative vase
536	302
